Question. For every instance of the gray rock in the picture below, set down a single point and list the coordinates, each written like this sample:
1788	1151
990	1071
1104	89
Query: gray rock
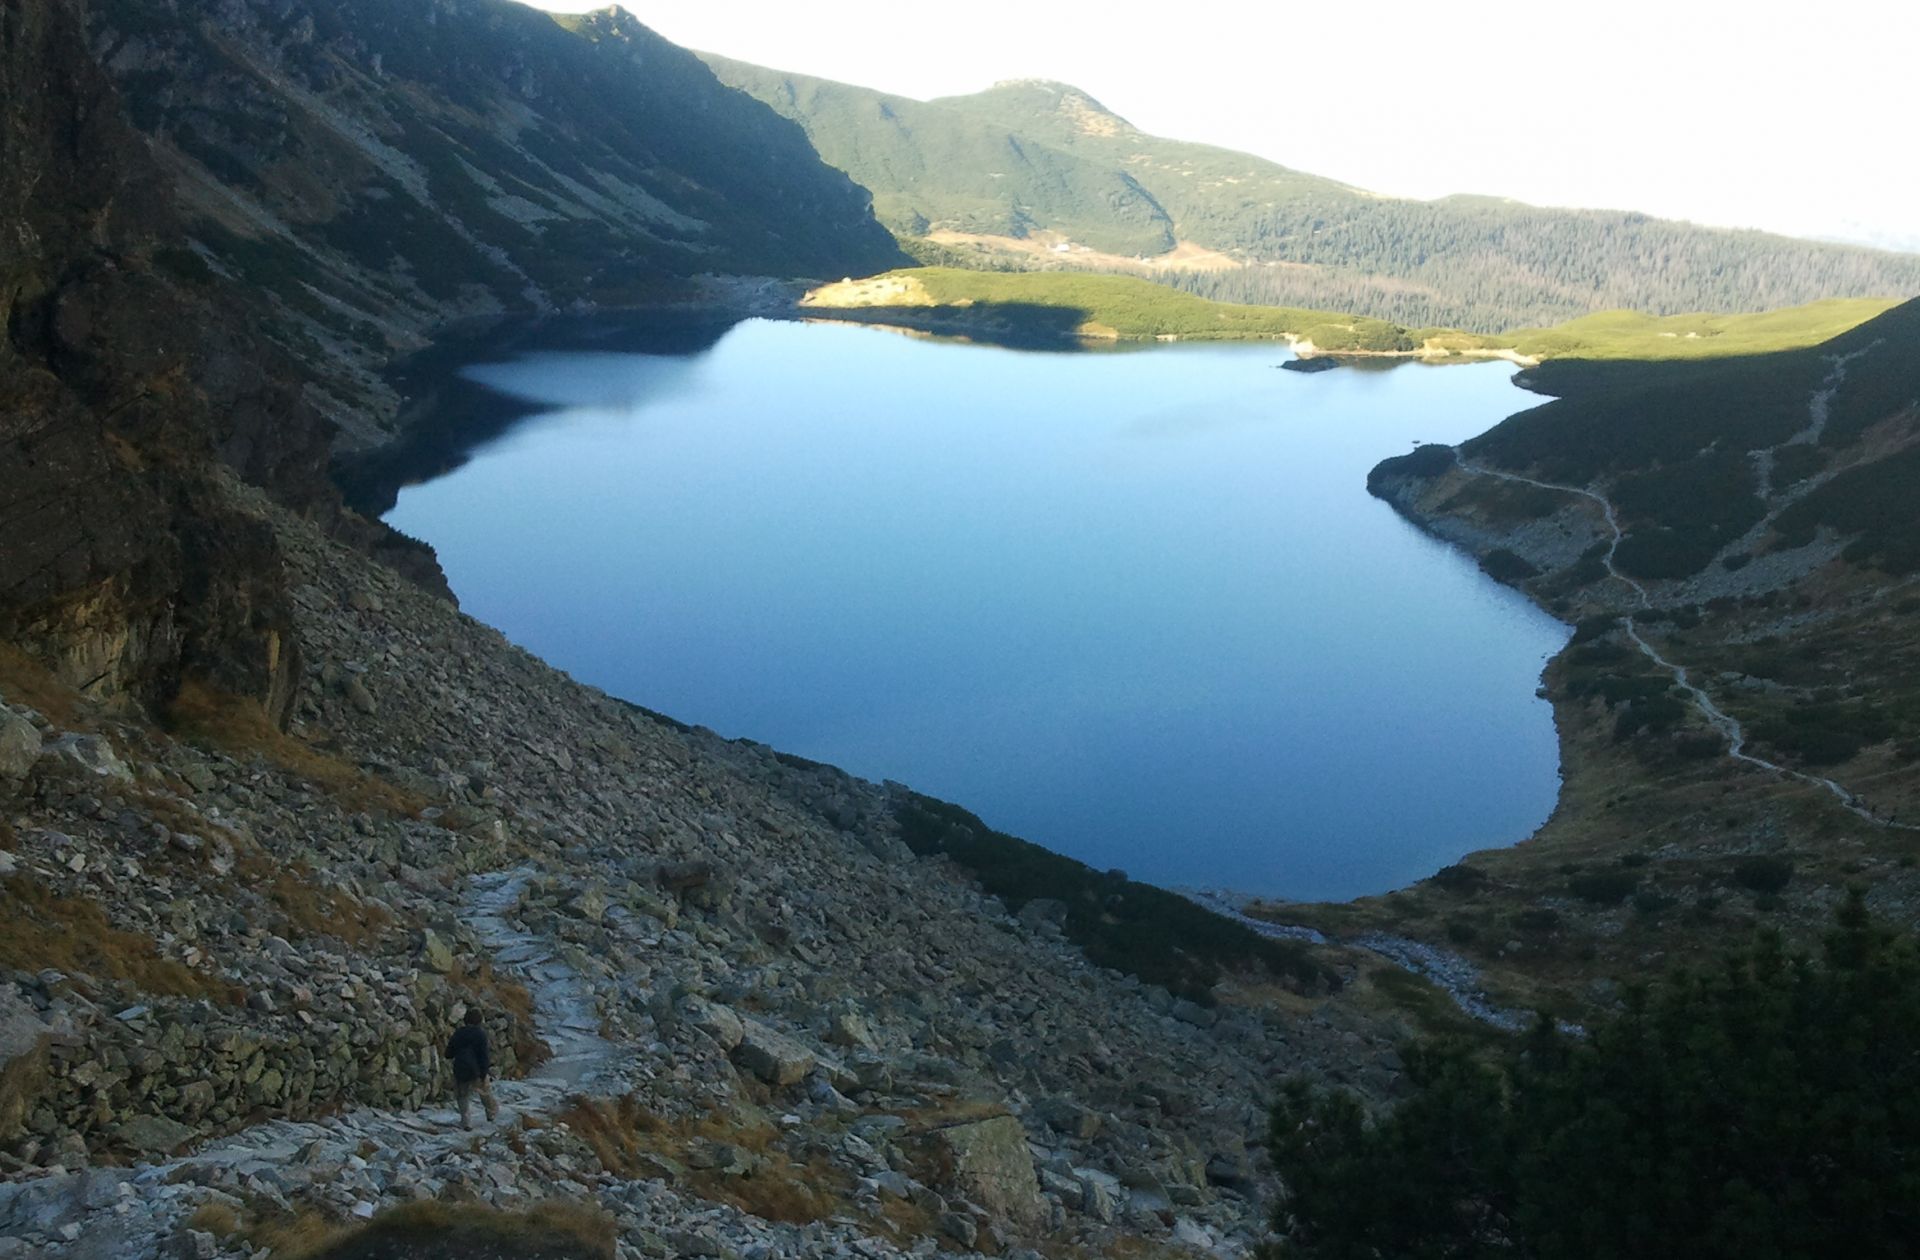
716	1021
90	754
987	1162
1068	1118
435	954
1044	914
849	1028
774	1057
1188	1011
359	697
154	1135
19	747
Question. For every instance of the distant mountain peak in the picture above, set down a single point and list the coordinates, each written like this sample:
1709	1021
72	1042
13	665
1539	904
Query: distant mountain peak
610	22
1086	114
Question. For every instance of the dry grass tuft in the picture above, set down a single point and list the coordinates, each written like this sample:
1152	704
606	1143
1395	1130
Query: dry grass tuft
215	1218
26	681
290	1235
41	928
556	1229
620	1132
629	1140
241	728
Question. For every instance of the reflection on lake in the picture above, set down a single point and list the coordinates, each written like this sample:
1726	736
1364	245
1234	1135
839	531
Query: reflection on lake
1136	607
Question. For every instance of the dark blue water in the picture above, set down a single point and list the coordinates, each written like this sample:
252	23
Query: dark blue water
1136	607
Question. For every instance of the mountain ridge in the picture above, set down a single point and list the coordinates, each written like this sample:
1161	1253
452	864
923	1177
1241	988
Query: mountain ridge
380	171
1469	261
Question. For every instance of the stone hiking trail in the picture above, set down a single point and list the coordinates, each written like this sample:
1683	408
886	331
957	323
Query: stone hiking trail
1727	725
564	1017
1452	973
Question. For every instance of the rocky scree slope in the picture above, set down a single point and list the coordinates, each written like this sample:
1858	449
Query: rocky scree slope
383	169
790	1036
1739	707
271	817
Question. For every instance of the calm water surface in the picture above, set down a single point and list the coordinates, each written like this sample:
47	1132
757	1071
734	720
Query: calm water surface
1137	607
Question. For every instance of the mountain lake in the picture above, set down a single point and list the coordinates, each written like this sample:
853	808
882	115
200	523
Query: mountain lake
1134	605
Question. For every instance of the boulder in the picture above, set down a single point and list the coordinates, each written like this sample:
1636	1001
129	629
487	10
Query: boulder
154	1135
680	877
774	1057
1044	914
1068	1118
589	904
359	697
1188	1011
90	754
435	954
19	747
849	1028
988	1163
716	1021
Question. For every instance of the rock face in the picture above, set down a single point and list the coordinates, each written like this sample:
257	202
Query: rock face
381	169
190	300
119	388
989	1163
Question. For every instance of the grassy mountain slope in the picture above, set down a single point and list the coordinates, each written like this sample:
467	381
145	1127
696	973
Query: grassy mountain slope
934	168
1054	304
1674	443
383	168
1040	306
1290	238
1769	545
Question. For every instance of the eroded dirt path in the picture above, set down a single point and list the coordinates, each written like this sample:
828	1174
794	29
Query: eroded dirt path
1719	719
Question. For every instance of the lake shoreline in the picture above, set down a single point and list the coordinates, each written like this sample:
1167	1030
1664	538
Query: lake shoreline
1210	837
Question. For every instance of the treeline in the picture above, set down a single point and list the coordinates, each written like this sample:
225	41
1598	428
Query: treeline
1493	266
1763	1107
1029	157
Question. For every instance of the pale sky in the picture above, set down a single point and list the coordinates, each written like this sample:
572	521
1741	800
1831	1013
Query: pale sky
1792	117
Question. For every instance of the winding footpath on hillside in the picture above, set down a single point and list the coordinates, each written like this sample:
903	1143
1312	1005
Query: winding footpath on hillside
1719	719
565	1019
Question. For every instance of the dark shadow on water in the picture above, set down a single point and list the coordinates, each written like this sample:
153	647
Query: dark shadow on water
1002	325
445	416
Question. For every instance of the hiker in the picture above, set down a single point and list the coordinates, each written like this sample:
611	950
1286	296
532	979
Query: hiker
472	1061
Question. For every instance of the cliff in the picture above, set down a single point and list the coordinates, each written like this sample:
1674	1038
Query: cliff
121	391
377	170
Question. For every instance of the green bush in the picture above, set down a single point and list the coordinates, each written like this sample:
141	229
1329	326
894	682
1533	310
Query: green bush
1604	888
1459	878
1159	936
1764	874
1505	566
1537	920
